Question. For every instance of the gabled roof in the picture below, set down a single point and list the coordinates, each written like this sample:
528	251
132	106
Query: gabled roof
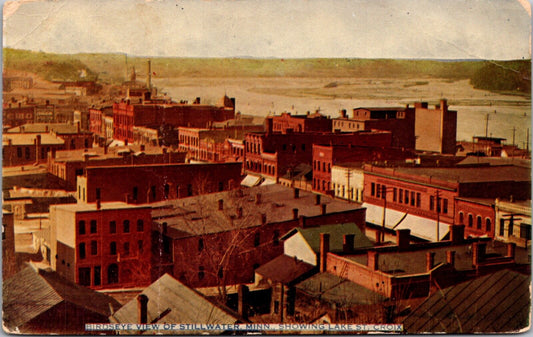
170	301
285	269
336	235
32	292
498	302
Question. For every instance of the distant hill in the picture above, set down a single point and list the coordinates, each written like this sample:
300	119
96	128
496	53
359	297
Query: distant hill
512	76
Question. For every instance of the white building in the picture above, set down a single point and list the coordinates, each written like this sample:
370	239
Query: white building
348	182
513	222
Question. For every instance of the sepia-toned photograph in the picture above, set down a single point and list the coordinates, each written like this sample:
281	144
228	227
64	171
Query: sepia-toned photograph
250	167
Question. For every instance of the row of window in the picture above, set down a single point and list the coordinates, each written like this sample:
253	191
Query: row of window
84	275
525	228
322	185
479	221
93	248
93	227
407	197
321	166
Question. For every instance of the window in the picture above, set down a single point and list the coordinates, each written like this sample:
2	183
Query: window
394	192
257	239
112	227
189	190
461	218
201	273
27	152
126	248
511	226
378	191
98	194
384	191
372	189
470	220
81	249
431	202
525	231
140	246
97	276
153	192
478	221
81	227
200	245
502	227
488	225
406	199
126	226
140	225
413	200
84	276
112	274
113	248
220	272
418	199
135	192
221	185
19	152
94	247
93	227
445	206
400	196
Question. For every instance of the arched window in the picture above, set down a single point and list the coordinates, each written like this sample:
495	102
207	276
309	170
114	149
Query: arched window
470	220
112	274
461	218
488	225
478	222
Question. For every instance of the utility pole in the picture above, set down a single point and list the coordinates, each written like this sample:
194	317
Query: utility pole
348	176
514	130
437	193
487	126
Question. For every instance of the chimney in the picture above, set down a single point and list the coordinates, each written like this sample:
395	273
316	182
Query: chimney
220	204
348	243
263	219
317	200
323	208
450	257
239	212
98	204
372	260
258	198
295	213
378	237
343	113
243	301
324	249
296	193
444	105
142	308
430	260
403	237
457	233
511	249
301	221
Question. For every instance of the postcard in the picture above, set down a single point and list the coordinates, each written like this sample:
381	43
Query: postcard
266	167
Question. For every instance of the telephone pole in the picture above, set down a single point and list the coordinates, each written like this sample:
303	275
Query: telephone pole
487	126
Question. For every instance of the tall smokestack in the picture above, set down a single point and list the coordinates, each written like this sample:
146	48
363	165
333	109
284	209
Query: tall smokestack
324	250
149	77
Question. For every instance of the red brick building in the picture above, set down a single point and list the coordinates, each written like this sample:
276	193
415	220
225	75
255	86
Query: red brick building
67	165
477	215
155	182
15	115
300	123
418	198
399	121
220	239
74	137
272	154
153	113
325	156
28	148
435	129
102	245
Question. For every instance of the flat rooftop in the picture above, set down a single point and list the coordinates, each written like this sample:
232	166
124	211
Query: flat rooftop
29	138
105	206
200	214
97	153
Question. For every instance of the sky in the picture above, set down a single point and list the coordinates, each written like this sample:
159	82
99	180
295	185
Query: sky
432	29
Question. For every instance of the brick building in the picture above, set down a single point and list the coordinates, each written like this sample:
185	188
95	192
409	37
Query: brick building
300	123
153	113
71	133
326	156
210	144
399	121
219	239
418	197
18	114
28	148
273	154
155	182
67	165
435	129
101	245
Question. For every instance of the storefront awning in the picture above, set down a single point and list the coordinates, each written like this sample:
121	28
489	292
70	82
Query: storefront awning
250	181
268	182
423	228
